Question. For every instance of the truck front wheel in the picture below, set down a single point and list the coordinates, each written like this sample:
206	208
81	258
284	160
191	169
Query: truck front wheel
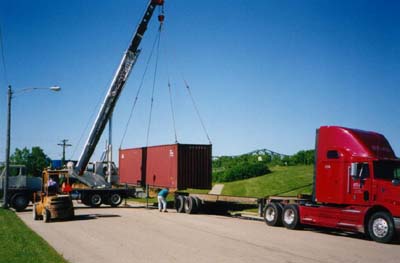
381	227
273	214
290	216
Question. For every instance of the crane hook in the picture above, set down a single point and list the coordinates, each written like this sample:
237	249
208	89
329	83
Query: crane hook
161	16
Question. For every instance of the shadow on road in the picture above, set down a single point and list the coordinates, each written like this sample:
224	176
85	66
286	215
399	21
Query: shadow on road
335	232
93	216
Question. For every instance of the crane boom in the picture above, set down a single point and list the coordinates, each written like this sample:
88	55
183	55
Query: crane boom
115	89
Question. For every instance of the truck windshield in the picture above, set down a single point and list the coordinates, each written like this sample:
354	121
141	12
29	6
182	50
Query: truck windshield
387	170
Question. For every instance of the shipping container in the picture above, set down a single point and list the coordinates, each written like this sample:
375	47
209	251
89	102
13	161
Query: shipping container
132	166
176	166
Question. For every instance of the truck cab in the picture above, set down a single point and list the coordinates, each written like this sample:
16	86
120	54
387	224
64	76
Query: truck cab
356	186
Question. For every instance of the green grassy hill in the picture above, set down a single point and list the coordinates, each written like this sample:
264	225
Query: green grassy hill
283	180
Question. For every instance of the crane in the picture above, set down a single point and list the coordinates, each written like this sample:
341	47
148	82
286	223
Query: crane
125	68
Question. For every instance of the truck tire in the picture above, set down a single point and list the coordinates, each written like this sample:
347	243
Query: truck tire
273	214
46	215
115	200
381	227
198	203
95	200
290	216
190	205
19	202
35	215
179	204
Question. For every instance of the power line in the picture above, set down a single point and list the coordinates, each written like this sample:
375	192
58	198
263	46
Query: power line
3	56
64	145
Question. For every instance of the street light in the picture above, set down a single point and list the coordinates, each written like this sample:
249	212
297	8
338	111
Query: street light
7	162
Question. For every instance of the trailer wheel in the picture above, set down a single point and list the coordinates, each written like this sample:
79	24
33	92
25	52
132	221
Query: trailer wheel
19	202
35	215
198	203
381	227
179	204
95	200
190	205
290	216
273	214
46	215
115	200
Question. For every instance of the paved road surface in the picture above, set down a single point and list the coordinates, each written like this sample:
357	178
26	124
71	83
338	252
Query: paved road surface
141	235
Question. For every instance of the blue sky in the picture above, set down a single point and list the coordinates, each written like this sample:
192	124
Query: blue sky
265	74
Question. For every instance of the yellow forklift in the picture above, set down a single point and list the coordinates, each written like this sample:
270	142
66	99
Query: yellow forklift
53	202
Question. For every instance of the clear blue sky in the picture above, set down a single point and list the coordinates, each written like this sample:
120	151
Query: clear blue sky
265	74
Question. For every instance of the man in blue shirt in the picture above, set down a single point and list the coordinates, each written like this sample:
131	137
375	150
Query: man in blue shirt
162	200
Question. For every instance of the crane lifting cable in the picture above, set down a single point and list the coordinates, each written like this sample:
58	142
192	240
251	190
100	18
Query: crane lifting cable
154	81
139	90
170	98
196	109
172	110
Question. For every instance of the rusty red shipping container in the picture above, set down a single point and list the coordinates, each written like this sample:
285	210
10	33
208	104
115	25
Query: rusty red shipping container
177	166
131	165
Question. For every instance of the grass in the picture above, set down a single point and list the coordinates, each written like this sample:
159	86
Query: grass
18	243
283	180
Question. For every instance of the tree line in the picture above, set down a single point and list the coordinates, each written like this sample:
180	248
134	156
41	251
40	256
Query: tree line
34	160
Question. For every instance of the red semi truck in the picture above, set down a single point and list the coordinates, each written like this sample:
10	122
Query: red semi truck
356	187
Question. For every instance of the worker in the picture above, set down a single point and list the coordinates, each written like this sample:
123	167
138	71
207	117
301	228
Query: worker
52	185
162	200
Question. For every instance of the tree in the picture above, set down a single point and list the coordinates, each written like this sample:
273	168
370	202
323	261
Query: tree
35	160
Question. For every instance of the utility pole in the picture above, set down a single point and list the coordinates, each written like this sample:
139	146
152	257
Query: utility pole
64	145
7	164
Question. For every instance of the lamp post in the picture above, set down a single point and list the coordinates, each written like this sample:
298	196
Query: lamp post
7	161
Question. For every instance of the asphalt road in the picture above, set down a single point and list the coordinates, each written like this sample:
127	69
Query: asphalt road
145	235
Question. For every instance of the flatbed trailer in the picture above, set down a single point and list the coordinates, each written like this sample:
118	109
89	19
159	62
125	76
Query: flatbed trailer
194	203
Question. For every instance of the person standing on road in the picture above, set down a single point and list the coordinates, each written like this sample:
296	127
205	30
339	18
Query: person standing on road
162	200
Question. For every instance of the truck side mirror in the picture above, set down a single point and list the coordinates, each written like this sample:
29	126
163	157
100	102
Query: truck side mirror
354	171
396	182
